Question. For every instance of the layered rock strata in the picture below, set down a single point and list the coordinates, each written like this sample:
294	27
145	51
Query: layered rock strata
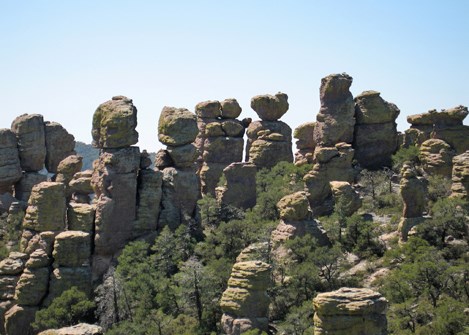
436	157
350	311
460	186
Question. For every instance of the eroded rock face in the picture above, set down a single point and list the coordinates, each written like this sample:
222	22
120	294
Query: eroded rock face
230	109
72	249
245	302
25	185
460	186
293	207
18	320
46	208
114	124
32	286
436	157
375	133
319	191
10	169
149	201
336	162
79	329
270	107
335	120
350	311
240	188
344	192
59	145
30	133
305	143
177	126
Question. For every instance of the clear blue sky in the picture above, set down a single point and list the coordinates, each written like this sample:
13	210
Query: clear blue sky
63	58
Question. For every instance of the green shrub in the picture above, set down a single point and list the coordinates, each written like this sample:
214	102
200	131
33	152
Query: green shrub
410	154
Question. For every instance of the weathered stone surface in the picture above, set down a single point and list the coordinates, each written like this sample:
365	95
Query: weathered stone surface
319	190
180	194
46	207
240	188
405	226
232	128
305	143
4	307
72	249
223	150
350	311
336	162
290	229
371	108
145	160
254	252
269	107
230	109
18	320
184	155
261	129
6	199
416	135
38	259
81	182
163	160
79	329
214	129
31	242
10	169
177	126
450	117
80	216
210	174
24	187
344	192
436	157
208	109
456	136
59	145
149	201
238	326
114	123
11	266
32	286
68	167
294	207
335	120
460	186
62	279
413	192
30	133
7	290
266	154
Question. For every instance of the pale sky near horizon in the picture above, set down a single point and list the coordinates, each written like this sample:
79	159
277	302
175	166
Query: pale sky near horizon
62	59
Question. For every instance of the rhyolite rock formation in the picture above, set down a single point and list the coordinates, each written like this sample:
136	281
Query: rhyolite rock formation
79	329
344	193
10	169
269	140
350	311
59	145
305	143
460	186
335	120
245	303
436	157
375	134
240	188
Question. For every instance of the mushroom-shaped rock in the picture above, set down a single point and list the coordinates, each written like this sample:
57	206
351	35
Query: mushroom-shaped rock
270	107
177	126
294	207
114	123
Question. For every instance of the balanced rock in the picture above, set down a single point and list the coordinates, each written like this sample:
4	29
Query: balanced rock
46	207
305	143
59	145
30	133
208	109
436	157
10	169
460	186
335	120
177	126
450	117
350	311
240	188
269	107
375	133
230	109
114	124
293	207
344	193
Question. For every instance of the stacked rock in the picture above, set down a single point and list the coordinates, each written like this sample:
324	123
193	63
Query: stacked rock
436	157
460	186
269	140
446	125
177	129
350	311
220	140
413	193
114	179
10	169
245	303
305	143
344	192
375	134
240	188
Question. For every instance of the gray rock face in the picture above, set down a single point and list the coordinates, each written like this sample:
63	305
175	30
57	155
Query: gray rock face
149	201
30	133
32	286
72	249
208	109
305	143
460	186
230	109
240	188
114	124
24	187
375	134
270	107
62	279
335	120
350	311
80	216
18	320
10	169
436	157
177	126
59	145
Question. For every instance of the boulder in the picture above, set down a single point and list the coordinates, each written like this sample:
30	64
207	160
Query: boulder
10	169
349	198
232	128
460	186
114	124
81	182
79	329
11	266
267	154
319	191
72	249
286	230
31	242
223	150
18	320
208	109
24	187
230	109
294	207
371	108
335	120
184	155
46	207
270	108
163	160
436	157
32	286
177	126
30	133
350	311
336	162
240	188
59	145
38	259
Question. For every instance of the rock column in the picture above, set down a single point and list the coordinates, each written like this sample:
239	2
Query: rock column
305	143
460	186
240	188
